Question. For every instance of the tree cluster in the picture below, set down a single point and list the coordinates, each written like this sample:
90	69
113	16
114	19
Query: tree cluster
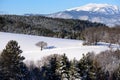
89	67
102	34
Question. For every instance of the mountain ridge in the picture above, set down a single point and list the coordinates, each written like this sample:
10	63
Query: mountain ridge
97	7
103	13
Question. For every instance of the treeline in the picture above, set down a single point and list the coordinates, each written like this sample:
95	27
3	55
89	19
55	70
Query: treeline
44	26
103	66
102	34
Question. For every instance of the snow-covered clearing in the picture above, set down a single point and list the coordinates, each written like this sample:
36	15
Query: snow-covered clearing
72	48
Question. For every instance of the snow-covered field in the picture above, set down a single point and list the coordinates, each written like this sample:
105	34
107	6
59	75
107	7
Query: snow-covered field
72	48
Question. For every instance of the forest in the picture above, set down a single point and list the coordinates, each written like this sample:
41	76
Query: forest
44	26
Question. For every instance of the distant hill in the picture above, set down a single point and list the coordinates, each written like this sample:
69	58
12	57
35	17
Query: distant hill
44	26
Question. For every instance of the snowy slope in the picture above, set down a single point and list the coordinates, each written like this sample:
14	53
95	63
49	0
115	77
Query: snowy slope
72	48
101	8
103	13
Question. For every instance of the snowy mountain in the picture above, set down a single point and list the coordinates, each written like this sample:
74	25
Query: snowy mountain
103	13
100	8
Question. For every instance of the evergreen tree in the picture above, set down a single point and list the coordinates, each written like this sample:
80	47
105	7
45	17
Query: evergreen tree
43	71
25	73
1	74
73	70
35	74
86	70
50	71
13	67
65	68
53	69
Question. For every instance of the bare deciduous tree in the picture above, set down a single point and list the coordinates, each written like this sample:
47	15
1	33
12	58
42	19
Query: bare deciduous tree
109	60
41	44
92	35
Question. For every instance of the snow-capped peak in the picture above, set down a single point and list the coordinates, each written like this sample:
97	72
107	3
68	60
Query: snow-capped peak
102	8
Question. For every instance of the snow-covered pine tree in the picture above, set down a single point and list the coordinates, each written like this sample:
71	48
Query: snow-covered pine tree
50	71
86	69
53	69
73	70
65	68
12	61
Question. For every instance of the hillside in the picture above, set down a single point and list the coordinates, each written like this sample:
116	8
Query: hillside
44	26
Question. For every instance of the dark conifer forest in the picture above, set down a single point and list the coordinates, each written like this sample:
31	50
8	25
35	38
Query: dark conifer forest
44	26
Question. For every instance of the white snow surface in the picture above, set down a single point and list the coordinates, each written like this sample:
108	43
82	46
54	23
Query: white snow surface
72	48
